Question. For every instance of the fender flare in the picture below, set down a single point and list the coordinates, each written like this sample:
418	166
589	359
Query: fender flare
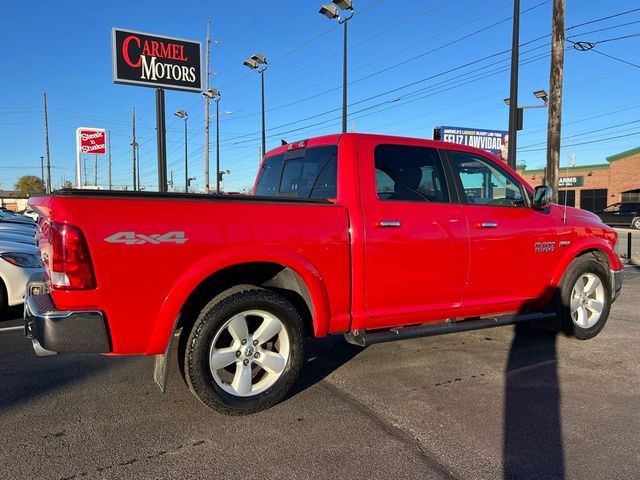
208	266
580	248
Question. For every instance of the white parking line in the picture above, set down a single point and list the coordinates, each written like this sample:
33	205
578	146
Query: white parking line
11	329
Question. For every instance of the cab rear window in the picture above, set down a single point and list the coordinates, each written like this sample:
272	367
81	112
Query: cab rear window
302	173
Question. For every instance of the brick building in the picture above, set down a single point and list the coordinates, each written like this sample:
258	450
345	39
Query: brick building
594	187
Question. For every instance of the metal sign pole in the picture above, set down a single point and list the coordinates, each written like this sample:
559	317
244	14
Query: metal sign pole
162	141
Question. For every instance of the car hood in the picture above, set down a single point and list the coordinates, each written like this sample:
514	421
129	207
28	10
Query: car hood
582	215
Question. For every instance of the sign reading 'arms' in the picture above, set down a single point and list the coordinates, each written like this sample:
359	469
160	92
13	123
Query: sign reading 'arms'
153	61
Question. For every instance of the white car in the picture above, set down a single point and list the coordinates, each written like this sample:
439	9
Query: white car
31	214
18	261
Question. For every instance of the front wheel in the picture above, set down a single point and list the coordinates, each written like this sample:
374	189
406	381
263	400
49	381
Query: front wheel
244	351
636	223
585	298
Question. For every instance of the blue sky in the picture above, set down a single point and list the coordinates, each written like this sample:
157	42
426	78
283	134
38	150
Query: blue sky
399	56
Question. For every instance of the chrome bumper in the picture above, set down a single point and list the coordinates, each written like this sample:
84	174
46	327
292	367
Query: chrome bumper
53	331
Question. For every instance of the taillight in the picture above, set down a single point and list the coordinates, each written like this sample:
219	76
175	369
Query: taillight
70	263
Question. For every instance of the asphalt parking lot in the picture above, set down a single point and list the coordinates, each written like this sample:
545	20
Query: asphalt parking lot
489	404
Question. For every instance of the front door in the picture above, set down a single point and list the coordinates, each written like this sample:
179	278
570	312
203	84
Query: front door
416	239
513	248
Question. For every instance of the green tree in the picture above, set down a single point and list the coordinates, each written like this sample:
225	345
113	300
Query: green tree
28	184
67	184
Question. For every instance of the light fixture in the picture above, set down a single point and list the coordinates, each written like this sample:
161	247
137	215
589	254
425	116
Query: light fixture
181	114
541	94
329	10
507	101
212	93
249	62
258	58
344	4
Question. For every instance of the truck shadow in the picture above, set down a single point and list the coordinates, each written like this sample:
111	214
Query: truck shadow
27	378
533	446
324	356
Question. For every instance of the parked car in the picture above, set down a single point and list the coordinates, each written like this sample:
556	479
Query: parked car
21	228
621	215
6	217
378	238
18	262
20	236
30	214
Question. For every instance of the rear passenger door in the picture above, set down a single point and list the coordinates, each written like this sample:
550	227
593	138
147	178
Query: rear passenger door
416	239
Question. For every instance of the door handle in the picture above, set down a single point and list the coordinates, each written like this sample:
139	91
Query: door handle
388	224
488	225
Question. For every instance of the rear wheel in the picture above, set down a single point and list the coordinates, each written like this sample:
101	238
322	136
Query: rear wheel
244	351
585	298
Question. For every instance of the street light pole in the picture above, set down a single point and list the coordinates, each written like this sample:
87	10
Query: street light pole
513	94
331	12
258	62
217	100
344	81
263	127
185	116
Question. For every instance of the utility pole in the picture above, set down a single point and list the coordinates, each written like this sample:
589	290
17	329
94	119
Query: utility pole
206	111
555	96
109	157
513	92
138	165
84	161
46	141
95	170
42	170
134	144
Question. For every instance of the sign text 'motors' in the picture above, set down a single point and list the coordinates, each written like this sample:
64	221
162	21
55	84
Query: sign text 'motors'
153	61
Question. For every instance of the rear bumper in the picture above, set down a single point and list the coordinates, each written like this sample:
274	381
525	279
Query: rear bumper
616	283
53	331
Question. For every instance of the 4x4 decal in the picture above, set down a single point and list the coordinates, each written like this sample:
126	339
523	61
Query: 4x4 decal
133	238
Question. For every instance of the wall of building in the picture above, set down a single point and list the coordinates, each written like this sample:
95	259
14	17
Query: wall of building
12	203
620	174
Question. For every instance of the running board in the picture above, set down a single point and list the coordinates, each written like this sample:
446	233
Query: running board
364	338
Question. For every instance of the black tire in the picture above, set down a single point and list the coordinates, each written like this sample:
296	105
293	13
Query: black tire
213	324
580	270
635	223
3	296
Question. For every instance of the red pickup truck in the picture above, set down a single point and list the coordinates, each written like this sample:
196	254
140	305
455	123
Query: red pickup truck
375	237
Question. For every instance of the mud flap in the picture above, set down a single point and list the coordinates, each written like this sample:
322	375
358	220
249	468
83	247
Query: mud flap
160	364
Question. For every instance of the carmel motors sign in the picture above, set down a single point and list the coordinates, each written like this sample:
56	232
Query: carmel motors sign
153	61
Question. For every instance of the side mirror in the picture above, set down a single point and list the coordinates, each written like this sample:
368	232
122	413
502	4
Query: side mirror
542	196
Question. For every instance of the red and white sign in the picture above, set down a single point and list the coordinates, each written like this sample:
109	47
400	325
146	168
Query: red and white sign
91	140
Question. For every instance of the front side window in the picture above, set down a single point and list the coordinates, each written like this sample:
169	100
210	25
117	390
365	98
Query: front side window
408	173
486	183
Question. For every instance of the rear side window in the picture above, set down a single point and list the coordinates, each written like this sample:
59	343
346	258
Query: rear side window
270	176
303	173
408	173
